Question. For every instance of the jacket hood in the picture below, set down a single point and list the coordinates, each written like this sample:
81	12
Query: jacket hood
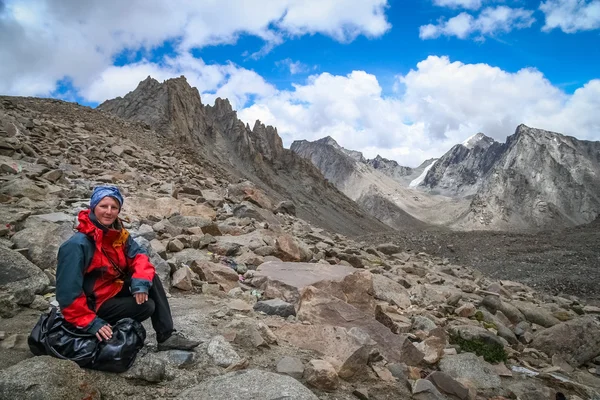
90	227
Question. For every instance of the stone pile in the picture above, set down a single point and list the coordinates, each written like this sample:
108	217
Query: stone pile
284	309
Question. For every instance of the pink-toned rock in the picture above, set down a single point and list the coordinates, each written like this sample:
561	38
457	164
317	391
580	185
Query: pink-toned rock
182	279
210	272
288	249
317	307
433	348
284	280
466	310
396	322
350	348
321	375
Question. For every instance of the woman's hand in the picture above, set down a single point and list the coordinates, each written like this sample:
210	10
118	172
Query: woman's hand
141	297
104	333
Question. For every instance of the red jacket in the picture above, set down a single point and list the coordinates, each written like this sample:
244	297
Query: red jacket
85	276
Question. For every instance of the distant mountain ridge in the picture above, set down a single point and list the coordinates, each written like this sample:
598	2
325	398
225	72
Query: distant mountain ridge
379	186
537	179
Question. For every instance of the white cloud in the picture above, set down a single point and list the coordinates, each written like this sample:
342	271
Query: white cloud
442	103
295	67
571	15
212	80
490	21
80	38
468	4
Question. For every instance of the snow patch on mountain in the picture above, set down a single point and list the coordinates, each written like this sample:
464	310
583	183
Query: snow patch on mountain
417	181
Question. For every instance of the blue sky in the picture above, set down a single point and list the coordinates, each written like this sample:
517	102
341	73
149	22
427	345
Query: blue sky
404	79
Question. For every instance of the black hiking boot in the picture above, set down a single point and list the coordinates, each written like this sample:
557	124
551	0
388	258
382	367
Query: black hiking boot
177	342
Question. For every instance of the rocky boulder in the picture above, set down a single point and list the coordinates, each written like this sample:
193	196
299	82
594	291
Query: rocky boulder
42	240
284	280
249	385
576	341
219	274
163	270
19	275
47	378
467	367
317	307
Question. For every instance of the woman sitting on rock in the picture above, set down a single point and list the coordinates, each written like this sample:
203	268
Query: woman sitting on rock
103	275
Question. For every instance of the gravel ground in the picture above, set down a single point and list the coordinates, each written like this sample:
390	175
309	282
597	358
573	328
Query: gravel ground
561	262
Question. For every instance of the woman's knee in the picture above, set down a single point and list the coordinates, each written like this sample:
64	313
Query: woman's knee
145	310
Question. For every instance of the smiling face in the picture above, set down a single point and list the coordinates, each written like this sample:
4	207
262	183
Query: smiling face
107	211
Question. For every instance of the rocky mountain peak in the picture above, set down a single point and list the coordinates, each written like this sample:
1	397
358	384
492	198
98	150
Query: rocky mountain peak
173	108
222	108
478	140
267	141
328	140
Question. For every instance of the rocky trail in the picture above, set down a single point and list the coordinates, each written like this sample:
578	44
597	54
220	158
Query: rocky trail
285	309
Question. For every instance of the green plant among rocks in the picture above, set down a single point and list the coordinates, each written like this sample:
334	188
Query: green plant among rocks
491	352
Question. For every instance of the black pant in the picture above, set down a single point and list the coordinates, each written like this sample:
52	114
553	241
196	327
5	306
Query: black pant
123	305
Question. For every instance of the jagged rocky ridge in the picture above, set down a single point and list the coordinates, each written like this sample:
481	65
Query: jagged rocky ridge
215	135
284	308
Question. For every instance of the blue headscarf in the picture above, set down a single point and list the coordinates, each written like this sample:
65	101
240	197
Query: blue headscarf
101	192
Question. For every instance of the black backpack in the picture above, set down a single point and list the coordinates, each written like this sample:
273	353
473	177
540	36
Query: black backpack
54	336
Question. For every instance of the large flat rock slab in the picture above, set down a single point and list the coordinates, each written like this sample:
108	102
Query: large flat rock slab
250	384
319	308
285	279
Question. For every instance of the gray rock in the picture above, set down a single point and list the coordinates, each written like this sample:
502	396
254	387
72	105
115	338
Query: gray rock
185	221
536	315
162	267
8	306
291	366
144	231
221	352
275	307
467	366
39	303
178	358
285	207
503	331
576	341
249	385
17	274
247	210
47	378
494	304
420	323
175	246
23	187
42	240
448	385
388	248
386	289
17	341
150	368
165	226
425	390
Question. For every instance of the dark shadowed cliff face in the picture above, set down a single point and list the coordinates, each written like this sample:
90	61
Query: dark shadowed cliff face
215	134
541	179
